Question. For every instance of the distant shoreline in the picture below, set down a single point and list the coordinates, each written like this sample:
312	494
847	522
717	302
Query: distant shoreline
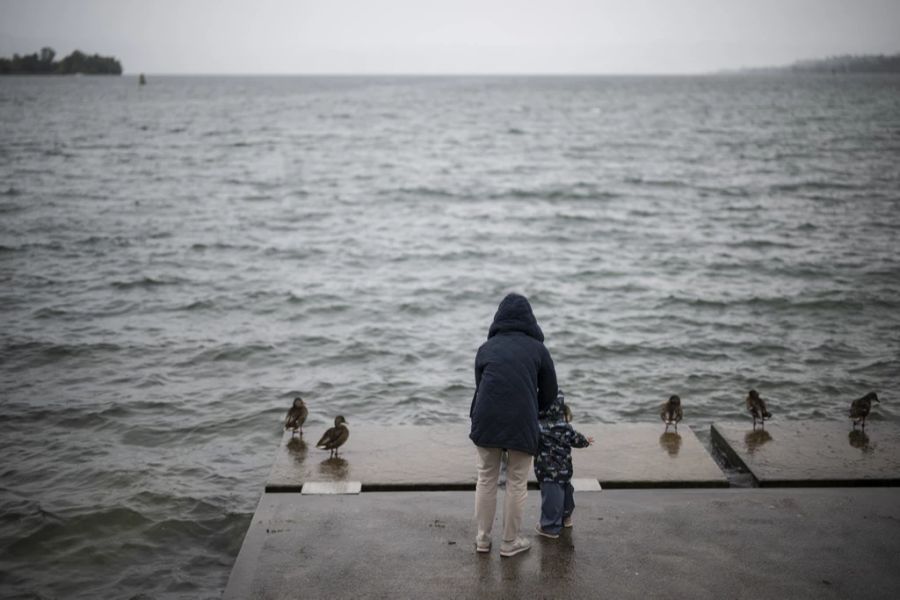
843	64
76	63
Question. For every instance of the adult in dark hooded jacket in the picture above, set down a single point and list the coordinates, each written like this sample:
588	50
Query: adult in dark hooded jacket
514	379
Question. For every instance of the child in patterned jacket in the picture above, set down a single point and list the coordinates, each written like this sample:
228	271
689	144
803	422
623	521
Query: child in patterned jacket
553	467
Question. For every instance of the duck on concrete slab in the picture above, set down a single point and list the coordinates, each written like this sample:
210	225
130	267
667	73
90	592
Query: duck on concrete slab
296	416
335	437
859	408
670	411
757	408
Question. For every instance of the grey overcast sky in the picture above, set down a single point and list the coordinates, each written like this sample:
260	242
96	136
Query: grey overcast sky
453	36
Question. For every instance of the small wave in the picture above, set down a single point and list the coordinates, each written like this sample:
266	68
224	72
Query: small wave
11	191
86	420
35	353
887	368
199	247
66	531
153	380
426	192
837	305
814	185
49	313
576	191
54	246
764	244
147	282
662	183
228	353
328	309
96	240
197	305
515	131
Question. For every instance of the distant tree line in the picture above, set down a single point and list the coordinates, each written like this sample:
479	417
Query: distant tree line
43	64
848	63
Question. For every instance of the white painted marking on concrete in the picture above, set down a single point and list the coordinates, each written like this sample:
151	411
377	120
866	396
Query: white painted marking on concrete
586	484
331	487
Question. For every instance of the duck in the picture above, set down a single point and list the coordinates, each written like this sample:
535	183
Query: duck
670	412
859	408
296	416
757	408
335	437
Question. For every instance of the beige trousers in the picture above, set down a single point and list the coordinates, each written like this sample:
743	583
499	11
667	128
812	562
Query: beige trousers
517	470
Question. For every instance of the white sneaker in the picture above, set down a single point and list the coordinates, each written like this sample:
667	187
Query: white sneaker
482	543
514	547
567	522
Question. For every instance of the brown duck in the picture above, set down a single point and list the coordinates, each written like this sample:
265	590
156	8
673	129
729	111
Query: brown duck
670	412
335	437
859	408
296	416
757	408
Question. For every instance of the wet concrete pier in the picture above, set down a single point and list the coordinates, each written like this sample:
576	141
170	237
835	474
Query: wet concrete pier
804	453
384	458
392	517
731	543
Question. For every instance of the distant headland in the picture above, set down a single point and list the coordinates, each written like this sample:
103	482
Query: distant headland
43	64
847	63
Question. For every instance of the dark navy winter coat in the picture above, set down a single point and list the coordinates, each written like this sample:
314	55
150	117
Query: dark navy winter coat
514	379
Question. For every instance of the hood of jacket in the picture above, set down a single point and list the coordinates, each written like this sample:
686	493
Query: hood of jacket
515	314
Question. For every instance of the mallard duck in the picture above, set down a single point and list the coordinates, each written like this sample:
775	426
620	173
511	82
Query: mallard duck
296	416
757	408
670	412
859	408
335	437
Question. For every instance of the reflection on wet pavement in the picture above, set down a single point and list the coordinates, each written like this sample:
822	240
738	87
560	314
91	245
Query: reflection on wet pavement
557	556
297	449
859	439
670	442
756	438
335	468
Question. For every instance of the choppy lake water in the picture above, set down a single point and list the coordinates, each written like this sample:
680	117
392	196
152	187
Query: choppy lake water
178	260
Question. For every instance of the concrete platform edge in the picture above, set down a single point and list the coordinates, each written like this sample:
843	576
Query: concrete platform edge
532	485
720	445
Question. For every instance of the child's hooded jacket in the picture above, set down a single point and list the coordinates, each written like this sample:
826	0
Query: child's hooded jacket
557	438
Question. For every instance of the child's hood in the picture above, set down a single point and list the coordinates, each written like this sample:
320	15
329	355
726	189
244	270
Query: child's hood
554	412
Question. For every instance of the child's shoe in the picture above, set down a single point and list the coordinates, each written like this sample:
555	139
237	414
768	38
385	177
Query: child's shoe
544	533
567	522
514	547
482	543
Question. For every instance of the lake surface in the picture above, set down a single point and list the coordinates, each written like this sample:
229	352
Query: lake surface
179	260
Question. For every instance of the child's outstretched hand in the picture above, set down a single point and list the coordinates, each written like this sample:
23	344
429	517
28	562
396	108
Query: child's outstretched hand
590	441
